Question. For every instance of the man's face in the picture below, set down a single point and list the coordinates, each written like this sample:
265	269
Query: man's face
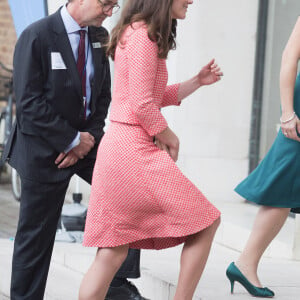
94	12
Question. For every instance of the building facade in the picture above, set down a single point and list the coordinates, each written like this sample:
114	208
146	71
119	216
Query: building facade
7	34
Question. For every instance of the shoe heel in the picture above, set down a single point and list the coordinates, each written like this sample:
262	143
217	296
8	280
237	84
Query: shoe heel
230	278
231	286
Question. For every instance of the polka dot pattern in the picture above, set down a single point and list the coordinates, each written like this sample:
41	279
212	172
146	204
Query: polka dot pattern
139	196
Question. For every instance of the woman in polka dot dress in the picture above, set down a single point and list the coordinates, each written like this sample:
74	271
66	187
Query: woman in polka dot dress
139	198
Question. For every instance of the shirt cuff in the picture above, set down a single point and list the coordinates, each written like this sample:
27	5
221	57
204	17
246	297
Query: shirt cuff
75	143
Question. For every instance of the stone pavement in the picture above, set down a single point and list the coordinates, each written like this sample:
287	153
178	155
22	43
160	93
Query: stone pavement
3	297
160	268
9	210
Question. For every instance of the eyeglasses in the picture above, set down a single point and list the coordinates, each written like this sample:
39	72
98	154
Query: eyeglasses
108	6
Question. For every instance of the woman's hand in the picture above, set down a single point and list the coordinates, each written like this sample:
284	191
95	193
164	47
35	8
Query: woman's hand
209	74
167	140
290	128
161	146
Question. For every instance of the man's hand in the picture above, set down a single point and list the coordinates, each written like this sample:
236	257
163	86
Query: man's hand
87	142
65	160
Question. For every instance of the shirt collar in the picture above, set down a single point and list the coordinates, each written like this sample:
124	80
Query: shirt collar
70	24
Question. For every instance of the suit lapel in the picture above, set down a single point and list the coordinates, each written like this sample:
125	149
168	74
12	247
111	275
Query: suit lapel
96	35
63	45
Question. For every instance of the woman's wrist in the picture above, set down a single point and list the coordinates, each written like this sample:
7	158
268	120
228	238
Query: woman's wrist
287	110
287	117
196	82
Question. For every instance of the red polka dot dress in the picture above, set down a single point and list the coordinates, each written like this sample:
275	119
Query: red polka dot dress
139	196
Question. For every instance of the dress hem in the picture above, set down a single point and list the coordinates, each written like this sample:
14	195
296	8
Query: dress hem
174	240
253	199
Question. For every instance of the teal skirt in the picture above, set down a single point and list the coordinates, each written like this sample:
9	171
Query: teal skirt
276	180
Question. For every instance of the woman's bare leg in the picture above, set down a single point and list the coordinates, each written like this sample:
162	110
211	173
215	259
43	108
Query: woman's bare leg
267	224
96	281
193	259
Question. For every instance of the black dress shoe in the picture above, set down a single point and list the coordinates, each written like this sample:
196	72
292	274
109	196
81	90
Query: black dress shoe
126	291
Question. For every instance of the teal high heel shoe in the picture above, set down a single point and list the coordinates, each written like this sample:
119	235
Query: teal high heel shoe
234	274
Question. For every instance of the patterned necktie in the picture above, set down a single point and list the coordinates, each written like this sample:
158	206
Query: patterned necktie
81	66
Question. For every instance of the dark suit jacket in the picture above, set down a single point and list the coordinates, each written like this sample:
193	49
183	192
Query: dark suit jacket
49	102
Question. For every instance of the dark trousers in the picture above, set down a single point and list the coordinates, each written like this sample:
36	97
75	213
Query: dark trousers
40	209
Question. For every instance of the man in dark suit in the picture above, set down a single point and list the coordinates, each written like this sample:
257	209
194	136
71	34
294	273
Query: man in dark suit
62	87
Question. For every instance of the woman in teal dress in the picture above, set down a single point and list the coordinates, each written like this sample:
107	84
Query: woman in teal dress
275	183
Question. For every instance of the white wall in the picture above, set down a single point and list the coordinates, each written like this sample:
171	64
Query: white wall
53	5
213	124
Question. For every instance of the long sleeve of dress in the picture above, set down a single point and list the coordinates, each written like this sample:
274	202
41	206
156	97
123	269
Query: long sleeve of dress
142	65
171	95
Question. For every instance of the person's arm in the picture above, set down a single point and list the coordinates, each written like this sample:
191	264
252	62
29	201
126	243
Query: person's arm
142	56
94	126
93	129
74	143
34	114
170	96
175	93
70	156
288	72
208	75
142	62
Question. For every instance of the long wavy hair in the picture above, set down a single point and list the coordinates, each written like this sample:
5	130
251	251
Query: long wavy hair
157	15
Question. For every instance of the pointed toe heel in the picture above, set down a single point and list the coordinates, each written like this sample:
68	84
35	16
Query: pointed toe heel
234	274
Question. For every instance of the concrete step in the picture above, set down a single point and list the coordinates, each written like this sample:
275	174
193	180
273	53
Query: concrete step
159	273
160	268
237	221
163	266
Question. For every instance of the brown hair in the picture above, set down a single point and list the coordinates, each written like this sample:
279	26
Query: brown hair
157	15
